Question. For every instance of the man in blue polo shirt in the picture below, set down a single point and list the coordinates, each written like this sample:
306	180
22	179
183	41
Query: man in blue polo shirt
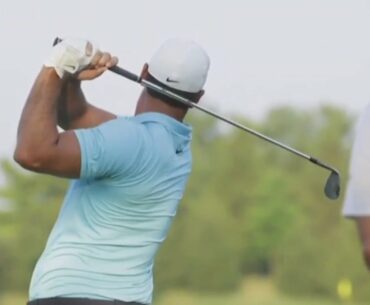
129	172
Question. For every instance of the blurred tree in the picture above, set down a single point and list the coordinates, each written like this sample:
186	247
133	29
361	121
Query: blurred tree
249	208
35	200
321	248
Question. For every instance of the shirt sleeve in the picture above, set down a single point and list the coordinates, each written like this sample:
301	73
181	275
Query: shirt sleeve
357	200
109	149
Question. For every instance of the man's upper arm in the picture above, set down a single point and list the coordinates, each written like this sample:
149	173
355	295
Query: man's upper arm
104	151
109	149
62	159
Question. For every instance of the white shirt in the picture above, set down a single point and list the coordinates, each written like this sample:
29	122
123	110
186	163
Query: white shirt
357	200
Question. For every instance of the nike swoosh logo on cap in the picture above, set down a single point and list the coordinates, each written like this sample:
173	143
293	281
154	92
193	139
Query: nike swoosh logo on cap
171	80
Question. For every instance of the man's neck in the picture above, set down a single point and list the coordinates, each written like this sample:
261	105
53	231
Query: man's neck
146	103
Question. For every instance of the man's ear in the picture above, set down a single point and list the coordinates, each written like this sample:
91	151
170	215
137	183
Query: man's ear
144	71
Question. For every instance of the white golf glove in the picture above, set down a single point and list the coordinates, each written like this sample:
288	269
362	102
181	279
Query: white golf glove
71	55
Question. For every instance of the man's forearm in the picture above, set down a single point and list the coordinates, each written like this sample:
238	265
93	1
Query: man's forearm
75	112
72	104
363	227
55	98
37	128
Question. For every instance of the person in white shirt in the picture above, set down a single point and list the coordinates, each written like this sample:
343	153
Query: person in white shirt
357	201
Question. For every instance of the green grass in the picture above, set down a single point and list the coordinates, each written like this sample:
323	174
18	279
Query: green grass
13	299
254	291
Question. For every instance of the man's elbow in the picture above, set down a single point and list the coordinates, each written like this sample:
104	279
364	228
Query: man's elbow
32	161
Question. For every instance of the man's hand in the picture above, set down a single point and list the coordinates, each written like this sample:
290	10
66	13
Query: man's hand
100	63
76	60
79	58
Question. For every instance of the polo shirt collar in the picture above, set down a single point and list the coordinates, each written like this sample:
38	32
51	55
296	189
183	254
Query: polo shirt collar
178	127
181	131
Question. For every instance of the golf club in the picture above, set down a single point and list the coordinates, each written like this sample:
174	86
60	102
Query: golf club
332	186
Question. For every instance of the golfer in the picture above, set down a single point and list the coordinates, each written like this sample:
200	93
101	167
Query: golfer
128	173
357	202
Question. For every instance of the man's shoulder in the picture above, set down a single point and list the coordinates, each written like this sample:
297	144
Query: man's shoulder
123	124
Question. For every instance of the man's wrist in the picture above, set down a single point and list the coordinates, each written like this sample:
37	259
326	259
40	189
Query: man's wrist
74	83
49	74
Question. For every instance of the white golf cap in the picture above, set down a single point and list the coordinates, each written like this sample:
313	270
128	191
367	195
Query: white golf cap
180	64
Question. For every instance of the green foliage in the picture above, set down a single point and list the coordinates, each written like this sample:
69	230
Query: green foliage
202	251
35	200
321	248
249	208
253	291
269	221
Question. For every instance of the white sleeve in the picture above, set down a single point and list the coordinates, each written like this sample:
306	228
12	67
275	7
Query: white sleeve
357	200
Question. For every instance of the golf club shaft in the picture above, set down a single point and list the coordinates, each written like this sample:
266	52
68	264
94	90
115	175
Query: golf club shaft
133	77
332	186
191	104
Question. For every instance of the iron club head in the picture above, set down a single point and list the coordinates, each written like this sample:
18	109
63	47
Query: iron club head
332	186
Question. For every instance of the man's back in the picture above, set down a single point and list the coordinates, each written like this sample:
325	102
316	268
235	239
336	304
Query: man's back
131	171
114	218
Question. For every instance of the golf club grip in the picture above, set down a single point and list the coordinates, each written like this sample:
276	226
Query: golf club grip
56	41
125	73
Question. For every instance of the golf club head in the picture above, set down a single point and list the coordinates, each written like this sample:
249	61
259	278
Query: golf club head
332	187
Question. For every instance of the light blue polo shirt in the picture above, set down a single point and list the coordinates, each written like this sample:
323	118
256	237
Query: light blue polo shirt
114	218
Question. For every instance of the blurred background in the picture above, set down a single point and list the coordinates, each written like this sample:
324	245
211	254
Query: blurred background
254	226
